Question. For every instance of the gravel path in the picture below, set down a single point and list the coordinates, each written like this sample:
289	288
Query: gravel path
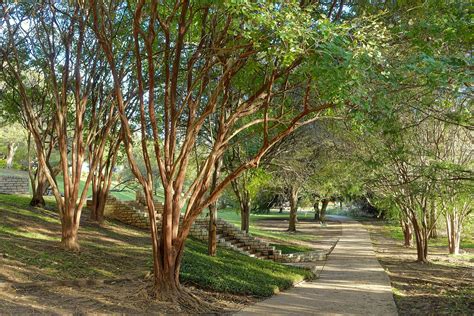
352	283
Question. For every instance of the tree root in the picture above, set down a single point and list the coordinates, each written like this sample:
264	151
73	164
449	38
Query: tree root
183	300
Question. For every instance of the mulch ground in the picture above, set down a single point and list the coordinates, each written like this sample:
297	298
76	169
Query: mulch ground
442	287
108	276
121	297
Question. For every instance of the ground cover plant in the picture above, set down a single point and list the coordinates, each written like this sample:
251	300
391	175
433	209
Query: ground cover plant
29	239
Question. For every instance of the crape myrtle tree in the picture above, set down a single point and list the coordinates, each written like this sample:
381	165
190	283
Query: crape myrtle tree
102	175
232	60
424	167
61	48
450	148
10	103
416	162
108	142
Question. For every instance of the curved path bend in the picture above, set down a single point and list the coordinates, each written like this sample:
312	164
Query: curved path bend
352	282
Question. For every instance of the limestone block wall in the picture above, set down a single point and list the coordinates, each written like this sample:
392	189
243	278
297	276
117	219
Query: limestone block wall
14	185
199	229
316	255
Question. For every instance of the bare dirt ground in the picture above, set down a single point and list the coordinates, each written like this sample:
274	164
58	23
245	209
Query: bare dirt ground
119	297
442	287
107	276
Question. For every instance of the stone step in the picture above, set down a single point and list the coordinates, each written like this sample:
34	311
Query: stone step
245	248
228	235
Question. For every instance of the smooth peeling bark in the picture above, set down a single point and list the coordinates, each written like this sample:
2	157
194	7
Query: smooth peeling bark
407	233
421	240
11	149
243	196
99	199
244	216
432	221
167	286
69	229
453	230
102	179
40	185
293	210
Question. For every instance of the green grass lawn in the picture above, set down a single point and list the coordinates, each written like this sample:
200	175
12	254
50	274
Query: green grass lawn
467	240
13	172
124	195
29	238
282	240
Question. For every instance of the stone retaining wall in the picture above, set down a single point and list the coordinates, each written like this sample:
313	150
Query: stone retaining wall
14	185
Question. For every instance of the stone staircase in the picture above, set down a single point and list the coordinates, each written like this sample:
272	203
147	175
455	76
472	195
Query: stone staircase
135	213
229	236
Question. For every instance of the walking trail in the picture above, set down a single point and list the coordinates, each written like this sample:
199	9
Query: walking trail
352	282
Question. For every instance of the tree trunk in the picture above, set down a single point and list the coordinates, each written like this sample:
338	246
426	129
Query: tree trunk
12	147
421	239
69	230
37	199
167	284
39	186
245	215
99	199
407	232
212	239
324	206
317	215
293	210
212	235
453	230
432	218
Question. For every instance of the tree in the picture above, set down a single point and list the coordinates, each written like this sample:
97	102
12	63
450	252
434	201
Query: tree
195	60
40	100
293	168
72	71
13	144
452	172
11	149
102	178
